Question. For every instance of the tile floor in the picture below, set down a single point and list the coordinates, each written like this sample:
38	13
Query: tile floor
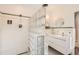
51	51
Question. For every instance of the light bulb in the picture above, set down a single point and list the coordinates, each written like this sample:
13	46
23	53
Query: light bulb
47	16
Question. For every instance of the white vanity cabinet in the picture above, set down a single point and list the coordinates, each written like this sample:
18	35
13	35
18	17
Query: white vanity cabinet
60	44
63	44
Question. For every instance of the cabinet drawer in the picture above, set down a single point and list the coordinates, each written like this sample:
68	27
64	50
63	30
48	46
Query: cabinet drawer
58	47
57	41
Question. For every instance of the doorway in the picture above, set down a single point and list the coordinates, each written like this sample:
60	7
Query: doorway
77	33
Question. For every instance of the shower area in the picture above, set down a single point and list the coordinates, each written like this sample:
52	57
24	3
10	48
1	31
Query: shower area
21	34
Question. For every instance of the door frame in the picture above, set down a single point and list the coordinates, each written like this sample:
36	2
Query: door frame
75	22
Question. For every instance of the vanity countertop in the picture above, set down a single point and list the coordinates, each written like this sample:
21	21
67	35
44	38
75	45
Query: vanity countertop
54	35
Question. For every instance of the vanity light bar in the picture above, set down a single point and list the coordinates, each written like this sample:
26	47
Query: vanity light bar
47	27
15	15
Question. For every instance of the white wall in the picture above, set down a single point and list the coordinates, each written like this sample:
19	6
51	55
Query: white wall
14	40
24	9
62	11
54	12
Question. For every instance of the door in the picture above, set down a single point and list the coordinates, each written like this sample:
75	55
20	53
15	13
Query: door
77	28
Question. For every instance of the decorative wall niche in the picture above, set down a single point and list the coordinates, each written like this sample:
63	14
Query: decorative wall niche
9	21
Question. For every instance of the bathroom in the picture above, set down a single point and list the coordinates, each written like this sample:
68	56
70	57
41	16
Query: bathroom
37	29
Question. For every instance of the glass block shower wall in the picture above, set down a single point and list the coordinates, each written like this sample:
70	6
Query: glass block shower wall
37	32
